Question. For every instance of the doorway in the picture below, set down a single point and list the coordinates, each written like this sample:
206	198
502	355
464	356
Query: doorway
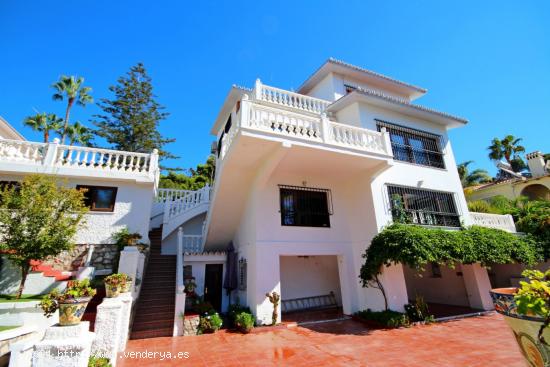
213	282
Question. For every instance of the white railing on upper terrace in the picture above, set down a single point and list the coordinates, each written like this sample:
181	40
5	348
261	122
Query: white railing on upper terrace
498	221
286	98
317	129
53	156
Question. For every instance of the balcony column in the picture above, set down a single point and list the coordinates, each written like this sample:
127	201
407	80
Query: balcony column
325	128
387	141
258	90
245	111
51	153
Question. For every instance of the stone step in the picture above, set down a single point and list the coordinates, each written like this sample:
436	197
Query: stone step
153	324
146	334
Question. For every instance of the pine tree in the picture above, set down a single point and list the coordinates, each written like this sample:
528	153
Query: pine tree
130	121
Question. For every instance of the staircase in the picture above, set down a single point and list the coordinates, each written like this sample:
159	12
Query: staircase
154	316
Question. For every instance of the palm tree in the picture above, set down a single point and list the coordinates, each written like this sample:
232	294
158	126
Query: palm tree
44	123
476	177
507	148
71	88
78	133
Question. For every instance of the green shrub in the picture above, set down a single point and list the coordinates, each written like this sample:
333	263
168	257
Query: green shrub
117	279
480	206
75	289
533	297
418	311
388	318
235	309
203	308
210	323
244	321
99	362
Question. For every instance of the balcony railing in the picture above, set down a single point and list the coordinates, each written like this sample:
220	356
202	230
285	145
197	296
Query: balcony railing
52	158
289	99
504	222
315	129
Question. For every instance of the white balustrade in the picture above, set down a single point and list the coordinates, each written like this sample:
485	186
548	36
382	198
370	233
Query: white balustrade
51	157
351	136
22	151
192	243
187	202
498	221
284	123
109	160
165	195
289	99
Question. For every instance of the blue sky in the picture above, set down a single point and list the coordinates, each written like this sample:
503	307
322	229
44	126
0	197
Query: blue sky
487	61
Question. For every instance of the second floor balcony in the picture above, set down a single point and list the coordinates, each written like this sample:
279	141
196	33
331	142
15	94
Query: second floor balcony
276	114
25	157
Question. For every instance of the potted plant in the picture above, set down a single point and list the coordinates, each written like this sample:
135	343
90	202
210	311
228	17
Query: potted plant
128	285
527	312
71	302
115	284
244	322
210	323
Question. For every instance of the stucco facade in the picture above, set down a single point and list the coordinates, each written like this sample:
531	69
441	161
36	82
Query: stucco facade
266	139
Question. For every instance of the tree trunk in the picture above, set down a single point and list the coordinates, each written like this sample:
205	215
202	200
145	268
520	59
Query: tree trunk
46	136
383	291
67	114
24	273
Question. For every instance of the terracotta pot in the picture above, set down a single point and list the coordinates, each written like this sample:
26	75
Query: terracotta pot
71	311
112	291
525	327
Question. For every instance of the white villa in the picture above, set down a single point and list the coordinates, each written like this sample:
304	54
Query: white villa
304	180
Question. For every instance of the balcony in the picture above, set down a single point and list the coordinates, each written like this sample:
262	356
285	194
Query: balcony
277	114
498	221
24	157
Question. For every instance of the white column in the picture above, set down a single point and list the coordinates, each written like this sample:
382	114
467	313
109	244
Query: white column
51	153
128	264
126	299
325	128
393	281
64	346
478	286
107	329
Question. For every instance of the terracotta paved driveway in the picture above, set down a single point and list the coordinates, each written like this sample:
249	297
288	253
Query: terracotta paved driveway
480	341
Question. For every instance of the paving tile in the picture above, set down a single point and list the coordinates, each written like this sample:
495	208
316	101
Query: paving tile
478	341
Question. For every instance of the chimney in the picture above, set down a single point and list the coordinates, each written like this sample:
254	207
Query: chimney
536	164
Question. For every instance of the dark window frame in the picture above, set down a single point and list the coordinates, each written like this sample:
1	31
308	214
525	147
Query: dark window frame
301	206
91	200
424	206
405	141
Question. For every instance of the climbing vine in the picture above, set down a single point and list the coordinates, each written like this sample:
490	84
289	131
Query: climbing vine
415	246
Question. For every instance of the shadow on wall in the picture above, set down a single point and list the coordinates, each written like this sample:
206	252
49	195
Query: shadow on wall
10	277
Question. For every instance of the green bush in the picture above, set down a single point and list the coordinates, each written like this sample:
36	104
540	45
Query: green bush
418	311
235	309
98	362
244	321
416	246
388	318
533	297
210	323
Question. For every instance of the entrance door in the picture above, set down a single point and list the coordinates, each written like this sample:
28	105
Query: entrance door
213	276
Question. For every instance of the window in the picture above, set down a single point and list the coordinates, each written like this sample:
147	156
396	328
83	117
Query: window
425	207
414	146
99	198
306	207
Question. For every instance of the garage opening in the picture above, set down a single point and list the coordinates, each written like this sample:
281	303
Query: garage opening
310	288
442	287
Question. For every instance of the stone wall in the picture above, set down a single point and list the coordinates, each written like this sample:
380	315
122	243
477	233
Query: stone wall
103	257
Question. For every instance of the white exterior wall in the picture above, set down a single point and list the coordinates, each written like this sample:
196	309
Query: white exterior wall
132	210
192	227
309	276
448	289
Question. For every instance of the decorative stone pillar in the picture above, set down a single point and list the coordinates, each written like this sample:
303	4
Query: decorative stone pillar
108	329
190	324
64	346
126	299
